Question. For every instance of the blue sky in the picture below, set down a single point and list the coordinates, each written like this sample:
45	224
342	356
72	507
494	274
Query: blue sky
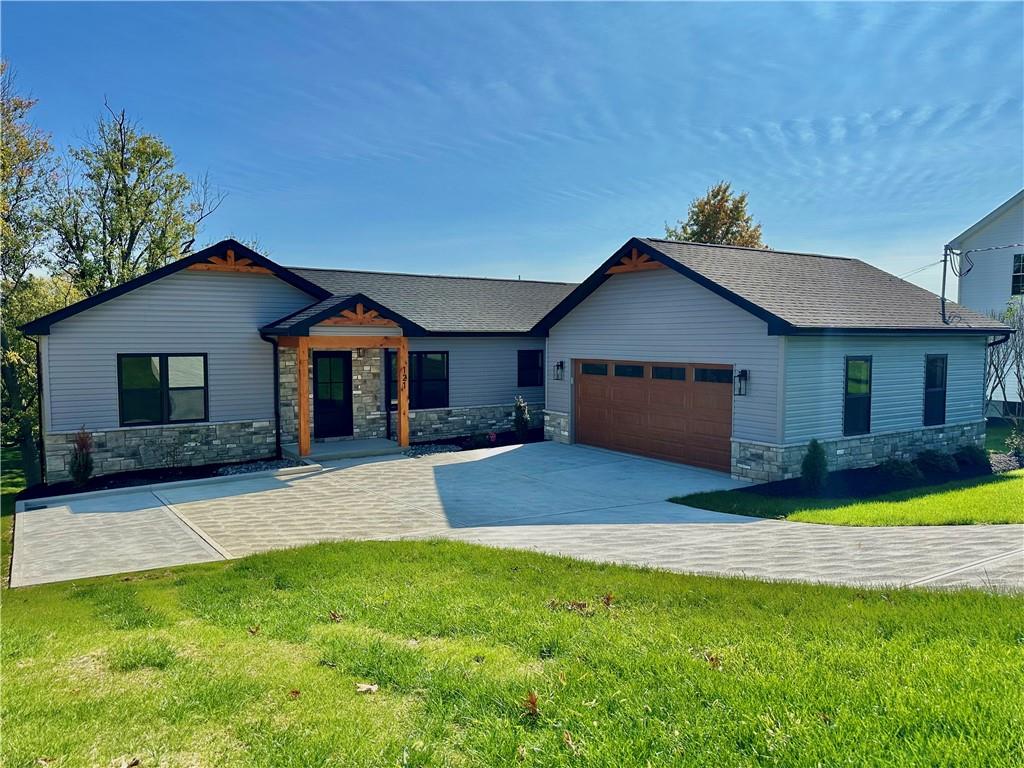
532	140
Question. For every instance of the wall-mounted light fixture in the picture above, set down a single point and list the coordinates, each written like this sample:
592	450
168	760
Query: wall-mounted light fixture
558	371
739	382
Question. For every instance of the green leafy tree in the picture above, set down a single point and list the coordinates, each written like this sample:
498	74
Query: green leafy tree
119	208
25	161
719	217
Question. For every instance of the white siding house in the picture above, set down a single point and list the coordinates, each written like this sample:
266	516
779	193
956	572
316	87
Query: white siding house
995	247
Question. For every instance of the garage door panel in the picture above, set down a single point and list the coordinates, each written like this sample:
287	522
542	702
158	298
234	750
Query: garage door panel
671	419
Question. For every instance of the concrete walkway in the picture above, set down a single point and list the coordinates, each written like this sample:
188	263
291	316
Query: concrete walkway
571	500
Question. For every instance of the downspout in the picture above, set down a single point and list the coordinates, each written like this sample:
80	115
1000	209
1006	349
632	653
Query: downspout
272	341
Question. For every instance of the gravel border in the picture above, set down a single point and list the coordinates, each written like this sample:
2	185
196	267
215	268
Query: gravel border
257	466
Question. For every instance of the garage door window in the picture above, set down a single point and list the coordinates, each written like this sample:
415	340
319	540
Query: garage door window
667	372
595	369
630	371
713	375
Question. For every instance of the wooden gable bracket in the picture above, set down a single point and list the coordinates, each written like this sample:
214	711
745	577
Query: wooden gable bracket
634	262
229	264
361	316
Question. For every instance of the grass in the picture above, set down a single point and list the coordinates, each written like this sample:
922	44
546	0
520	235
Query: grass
996	432
11	482
243	664
488	657
990	499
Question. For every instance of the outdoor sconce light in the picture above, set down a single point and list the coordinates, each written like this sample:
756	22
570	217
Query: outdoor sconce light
558	372
739	382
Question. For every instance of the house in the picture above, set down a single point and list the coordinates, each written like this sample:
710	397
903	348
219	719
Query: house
990	256
722	357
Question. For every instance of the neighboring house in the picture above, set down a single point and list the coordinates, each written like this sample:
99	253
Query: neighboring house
722	357
994	249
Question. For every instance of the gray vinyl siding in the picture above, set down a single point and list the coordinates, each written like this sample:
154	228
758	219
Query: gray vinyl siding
211	312
482	370
662	316
986	288
814	382
354	330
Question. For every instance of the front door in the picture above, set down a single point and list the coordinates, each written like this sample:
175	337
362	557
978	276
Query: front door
332	394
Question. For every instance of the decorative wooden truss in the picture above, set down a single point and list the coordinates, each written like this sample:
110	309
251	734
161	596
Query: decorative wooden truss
229	264
634	262
361	316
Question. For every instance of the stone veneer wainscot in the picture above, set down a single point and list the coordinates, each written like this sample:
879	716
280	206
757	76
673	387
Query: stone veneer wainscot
163	446
765	462
556	426
443	423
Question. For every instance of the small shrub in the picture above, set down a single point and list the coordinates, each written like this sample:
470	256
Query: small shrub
971	458
81	457
900	471
936	463
477	441
522	419
814	469
1015	442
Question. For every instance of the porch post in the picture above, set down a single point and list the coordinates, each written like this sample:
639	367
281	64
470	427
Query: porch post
302	374
403	391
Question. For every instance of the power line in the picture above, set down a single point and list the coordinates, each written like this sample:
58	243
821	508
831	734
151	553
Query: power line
920	269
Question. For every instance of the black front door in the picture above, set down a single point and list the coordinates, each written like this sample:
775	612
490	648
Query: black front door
332	394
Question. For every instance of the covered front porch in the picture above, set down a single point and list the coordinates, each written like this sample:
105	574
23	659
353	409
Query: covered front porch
326	413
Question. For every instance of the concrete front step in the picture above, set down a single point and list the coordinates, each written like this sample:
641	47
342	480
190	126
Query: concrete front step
344	449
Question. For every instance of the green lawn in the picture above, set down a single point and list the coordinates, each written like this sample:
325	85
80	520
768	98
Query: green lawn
991	499
242	664
11	481
996	432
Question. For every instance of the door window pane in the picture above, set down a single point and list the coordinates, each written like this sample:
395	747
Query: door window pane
713	375
595	369
666	372
630	371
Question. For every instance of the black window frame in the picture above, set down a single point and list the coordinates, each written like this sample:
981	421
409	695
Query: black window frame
530	368
1017	275
416	380
935	394
848	428
165	389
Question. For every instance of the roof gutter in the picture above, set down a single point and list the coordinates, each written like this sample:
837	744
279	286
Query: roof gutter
1001	340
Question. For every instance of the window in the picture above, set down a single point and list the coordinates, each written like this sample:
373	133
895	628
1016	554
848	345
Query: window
162	389
1017	282
531	368
595	369
630	371
713	375
857	396
667	372
935	389
428	380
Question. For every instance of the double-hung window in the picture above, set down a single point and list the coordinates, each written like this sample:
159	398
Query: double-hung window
530	368
428	380
1017	281
935	389
857	396
162	389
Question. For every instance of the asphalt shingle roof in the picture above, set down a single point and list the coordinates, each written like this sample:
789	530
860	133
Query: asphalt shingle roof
440	303
814	291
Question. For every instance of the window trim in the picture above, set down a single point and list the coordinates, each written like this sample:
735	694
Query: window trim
1017	275
944	389
846	383
529	370
165	389
392	370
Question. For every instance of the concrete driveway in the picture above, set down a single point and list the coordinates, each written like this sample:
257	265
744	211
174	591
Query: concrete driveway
560	499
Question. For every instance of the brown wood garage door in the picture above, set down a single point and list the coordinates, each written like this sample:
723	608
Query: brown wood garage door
673	411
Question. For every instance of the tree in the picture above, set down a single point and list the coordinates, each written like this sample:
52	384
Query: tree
118	208
718	217
1004	375
25	161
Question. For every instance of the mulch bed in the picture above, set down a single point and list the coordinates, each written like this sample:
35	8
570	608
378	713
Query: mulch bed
870	481
150	476
484	440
